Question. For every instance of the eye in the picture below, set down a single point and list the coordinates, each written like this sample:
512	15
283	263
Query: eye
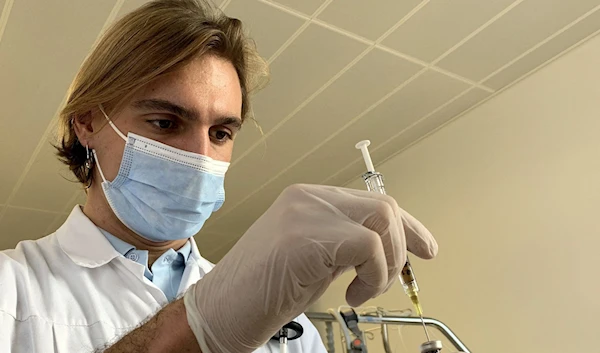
221	135
163	124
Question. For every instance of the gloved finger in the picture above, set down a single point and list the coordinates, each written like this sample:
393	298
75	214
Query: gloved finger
379	214
387	288
371	279
419	239
362	249
386	221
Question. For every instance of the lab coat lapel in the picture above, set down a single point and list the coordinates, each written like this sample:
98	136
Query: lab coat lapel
195	268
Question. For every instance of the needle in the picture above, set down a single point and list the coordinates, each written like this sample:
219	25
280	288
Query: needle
425	328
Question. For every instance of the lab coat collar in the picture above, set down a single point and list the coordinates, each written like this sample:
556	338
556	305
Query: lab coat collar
83	242
86	246
204	264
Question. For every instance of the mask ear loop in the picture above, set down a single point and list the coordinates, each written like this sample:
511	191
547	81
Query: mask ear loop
98	163
114	127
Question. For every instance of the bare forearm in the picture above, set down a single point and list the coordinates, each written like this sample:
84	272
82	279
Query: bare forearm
166	332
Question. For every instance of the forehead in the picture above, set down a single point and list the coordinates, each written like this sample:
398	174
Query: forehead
206	82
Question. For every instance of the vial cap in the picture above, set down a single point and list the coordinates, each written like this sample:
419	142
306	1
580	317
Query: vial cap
431	347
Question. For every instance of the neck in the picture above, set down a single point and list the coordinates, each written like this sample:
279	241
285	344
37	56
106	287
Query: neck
99	212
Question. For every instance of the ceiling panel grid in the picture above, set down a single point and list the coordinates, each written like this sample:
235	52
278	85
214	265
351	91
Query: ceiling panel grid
342	70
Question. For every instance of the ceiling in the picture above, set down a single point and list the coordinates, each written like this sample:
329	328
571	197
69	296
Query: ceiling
342	71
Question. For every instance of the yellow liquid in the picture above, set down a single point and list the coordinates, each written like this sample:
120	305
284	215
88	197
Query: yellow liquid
415	300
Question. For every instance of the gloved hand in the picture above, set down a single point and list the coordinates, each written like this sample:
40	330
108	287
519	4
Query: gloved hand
291	254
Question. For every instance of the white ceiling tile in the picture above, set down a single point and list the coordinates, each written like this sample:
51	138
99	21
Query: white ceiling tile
36	67
439	25
381	153
234	221
212	258
80	199
208	242
9	175
30	67
77	198
350	173
130	5
546	52
364	17
215	257
19	224
214	246
240	182
450	111
414	101
308	7
310	61
238	219
47	185
398	112
218	253
212	222
517	31
56	223
409	104
247	137
374	76
262	20
315	169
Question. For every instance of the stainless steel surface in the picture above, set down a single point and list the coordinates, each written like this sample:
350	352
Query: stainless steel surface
384	334
399	320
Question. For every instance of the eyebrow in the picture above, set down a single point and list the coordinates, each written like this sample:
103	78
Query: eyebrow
187	114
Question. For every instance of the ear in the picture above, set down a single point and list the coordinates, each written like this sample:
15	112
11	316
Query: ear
83	127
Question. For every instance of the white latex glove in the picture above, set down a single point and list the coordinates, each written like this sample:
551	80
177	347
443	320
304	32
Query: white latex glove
287	259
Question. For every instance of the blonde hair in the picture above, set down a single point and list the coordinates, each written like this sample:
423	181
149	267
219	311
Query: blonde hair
155	39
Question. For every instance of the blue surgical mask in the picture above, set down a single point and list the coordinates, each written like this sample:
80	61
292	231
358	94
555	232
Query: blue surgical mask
163	193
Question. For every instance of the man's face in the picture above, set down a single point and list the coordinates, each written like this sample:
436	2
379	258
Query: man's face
196	108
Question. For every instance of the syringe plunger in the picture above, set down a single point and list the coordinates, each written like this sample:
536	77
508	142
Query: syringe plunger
363	147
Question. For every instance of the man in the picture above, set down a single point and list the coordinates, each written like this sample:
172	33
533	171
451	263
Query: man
148	128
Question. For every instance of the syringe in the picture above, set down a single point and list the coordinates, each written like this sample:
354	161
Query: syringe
374	183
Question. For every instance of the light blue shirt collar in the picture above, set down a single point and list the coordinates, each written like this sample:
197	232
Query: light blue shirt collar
166	272
121	246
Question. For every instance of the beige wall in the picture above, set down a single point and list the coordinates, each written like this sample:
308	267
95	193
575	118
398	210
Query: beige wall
511	190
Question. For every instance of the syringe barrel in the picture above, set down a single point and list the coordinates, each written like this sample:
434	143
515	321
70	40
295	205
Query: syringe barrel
407	277
374	182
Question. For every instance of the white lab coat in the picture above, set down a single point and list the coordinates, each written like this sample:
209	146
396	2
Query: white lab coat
73	292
